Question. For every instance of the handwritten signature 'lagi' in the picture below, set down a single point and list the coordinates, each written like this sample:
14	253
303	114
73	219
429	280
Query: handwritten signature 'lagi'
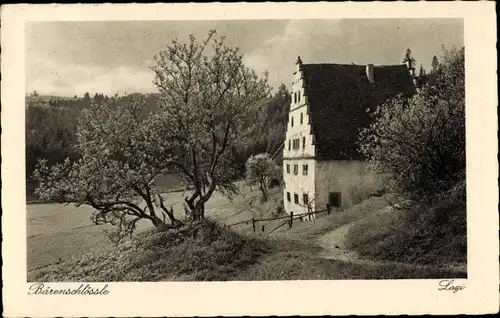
448	284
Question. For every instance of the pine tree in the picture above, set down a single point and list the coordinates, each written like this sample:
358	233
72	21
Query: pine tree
409	59
421	72
422	76
435	64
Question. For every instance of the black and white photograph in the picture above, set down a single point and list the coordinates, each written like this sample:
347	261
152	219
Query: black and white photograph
245	150
238	150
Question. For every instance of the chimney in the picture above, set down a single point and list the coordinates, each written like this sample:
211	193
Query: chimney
369	73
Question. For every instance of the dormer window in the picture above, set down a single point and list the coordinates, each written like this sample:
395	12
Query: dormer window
292	121
301	118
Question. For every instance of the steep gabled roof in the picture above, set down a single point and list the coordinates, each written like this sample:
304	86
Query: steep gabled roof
339	96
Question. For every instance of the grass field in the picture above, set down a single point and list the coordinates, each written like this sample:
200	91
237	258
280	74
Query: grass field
57	231
64	244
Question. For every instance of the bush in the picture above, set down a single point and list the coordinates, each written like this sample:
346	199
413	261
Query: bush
201	251
260	170
420	141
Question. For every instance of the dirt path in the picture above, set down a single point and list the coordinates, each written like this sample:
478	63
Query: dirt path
333	244
334	247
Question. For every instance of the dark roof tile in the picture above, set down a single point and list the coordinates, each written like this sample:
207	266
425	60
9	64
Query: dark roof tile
339	96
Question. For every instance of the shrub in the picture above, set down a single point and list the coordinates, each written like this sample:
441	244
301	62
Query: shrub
420	141
260	170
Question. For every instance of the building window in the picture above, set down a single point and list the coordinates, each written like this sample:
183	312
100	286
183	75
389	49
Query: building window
304	142
287	168
305	198
288	198
296	143
295	169
296	198
305	169
334	199
298	94
292	121
301	118
289	145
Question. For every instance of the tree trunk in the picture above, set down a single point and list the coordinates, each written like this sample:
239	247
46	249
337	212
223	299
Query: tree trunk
263	188
169	213
199	211
171	216
158	223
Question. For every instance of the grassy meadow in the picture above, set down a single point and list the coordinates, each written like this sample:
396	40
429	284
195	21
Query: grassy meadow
64	245
57	232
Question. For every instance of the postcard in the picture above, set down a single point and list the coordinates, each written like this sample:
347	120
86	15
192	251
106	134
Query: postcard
249	159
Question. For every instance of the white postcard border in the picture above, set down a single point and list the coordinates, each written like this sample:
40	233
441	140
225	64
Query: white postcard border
265	298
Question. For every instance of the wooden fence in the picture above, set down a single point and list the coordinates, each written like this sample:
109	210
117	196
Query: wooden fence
288	219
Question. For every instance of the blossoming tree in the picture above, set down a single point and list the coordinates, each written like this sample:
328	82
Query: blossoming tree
208	94
123	149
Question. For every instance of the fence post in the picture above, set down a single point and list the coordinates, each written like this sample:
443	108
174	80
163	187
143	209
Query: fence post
328	208
253	224
291	219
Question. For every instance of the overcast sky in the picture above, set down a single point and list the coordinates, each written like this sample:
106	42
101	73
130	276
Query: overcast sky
68	58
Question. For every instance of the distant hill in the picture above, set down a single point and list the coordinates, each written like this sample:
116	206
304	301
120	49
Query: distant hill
46	98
